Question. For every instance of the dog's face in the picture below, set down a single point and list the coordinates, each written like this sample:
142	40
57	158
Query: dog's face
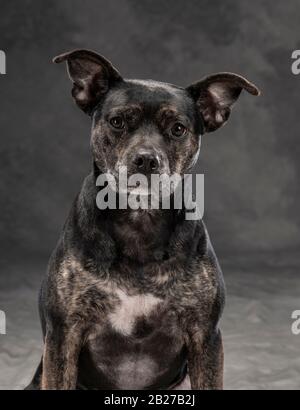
146	126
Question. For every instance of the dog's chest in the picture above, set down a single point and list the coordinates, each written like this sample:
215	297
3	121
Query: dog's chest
127	346
131	310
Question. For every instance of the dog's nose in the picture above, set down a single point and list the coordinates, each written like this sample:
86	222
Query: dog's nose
146	162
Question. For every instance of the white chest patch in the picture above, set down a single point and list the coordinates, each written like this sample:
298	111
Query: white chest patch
129	308
136	372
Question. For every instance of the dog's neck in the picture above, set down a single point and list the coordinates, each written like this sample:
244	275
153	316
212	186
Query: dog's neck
139	235
142	235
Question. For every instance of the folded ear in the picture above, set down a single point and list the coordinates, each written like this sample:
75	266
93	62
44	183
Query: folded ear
216	94
92	76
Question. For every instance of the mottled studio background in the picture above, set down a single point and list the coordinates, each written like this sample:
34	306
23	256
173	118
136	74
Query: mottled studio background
251	166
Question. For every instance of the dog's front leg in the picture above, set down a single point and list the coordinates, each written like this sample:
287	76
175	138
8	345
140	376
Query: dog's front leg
205	360
61	351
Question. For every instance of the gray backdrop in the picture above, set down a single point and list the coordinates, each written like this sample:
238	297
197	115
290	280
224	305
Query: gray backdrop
251	165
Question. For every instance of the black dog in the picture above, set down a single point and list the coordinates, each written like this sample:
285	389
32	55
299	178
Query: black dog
132	298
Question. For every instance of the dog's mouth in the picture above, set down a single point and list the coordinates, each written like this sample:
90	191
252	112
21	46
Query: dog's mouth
139	190
136	185
151	192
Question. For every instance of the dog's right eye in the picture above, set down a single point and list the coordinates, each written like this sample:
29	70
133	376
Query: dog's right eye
117	122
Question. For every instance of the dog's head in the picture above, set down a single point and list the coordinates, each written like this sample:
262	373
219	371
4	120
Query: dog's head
147	126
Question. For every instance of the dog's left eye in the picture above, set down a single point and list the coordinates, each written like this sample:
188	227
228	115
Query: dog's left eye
178	130
117	122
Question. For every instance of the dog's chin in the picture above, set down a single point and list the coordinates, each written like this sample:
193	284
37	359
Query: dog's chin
135	190
144	190
144	216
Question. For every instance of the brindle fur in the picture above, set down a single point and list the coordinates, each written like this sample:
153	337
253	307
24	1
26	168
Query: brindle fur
132	299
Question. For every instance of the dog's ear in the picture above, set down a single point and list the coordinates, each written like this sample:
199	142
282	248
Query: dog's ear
92	76
216	94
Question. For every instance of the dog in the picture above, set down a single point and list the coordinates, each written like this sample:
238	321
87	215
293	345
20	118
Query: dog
132	298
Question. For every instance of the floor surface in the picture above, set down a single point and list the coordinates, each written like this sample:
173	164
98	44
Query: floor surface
261	351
